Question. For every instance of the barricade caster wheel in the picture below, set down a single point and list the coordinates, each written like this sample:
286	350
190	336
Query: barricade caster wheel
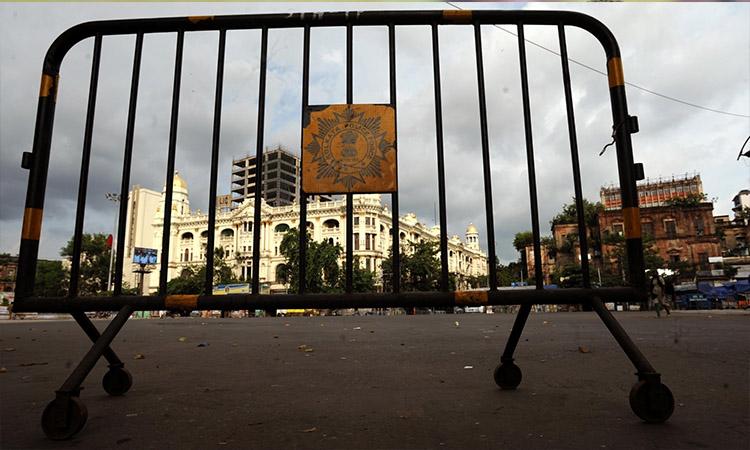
64	417
117	381
508	376
651	401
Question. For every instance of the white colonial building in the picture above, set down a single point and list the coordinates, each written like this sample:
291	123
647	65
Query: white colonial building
326	220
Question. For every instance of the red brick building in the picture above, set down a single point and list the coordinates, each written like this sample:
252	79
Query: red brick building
680	233
677	224
8	269
548	263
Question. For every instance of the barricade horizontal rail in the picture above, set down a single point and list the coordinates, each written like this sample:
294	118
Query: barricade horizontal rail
570	296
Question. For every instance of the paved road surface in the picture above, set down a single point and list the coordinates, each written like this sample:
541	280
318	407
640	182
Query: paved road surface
384	382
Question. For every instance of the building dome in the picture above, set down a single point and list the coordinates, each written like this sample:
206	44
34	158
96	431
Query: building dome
471	229
179	182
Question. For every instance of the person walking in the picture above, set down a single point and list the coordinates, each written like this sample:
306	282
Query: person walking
658	291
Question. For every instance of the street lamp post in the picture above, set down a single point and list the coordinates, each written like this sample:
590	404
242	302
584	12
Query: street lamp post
116	199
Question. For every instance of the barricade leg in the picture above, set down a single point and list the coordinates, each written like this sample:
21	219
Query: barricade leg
650	400
507	374
66	414
118	379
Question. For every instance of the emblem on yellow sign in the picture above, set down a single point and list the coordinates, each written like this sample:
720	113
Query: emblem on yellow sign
349	149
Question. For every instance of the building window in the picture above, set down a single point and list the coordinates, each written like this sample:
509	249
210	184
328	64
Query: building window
356	220
281	228
648	229
674	259
699	229
367	242
670	226
356	241
618	229
280	272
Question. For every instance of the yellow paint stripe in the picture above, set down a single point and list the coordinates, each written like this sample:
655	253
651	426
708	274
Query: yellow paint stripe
196	19
184	302
632	218
470	298
32	224
614	70
457	16
48	86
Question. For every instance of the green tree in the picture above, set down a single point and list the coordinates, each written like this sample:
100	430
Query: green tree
509	274
420	268
618	254
569	214
522	240
548	242
94	269
363	280
5	258
190	281
322	272
481	281
51	279
687	201
192	278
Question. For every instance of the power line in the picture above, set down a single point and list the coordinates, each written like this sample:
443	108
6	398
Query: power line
666	97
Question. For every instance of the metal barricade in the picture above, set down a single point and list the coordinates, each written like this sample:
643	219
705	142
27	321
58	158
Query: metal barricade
65	416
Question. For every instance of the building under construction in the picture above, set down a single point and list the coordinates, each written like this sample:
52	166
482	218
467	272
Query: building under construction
656	192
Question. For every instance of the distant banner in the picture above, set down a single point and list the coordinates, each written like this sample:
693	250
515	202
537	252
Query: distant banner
349	149
144	255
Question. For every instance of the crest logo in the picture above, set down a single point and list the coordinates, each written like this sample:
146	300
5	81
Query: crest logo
349	148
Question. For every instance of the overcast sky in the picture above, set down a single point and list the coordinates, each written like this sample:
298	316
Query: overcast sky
697	52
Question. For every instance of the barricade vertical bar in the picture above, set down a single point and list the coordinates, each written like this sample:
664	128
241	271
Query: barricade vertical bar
34	205
396	247
440	159
166	226
126	164
582	232
485	158
523	312
302	195
84	178
628	188
209	283
349	197
538	275
259	162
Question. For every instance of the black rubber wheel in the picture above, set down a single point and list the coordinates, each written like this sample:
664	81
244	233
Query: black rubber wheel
651	401
117	381
508	376
57	425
